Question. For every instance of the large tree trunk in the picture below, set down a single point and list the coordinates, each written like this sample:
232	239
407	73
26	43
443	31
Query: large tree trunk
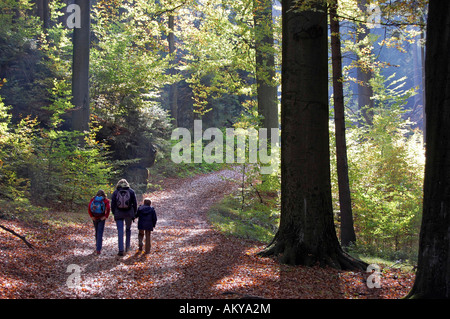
80	76
433	269
348	235
306	235
267	94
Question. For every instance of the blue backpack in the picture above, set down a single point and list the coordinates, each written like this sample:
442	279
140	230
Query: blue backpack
98	206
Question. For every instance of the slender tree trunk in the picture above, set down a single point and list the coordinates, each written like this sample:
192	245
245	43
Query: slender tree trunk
80	77
363	75
173	91
43	12
433	269
306	234
422	58
347	230
267	94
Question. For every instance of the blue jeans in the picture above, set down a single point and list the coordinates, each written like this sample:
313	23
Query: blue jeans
119	224
99	226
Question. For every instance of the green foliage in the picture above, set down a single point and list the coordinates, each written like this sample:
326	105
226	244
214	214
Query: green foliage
253	211
14	150
19	55
128	71
64	172
257	221
219	57
48	165
387	190
125	73
386	167
41	161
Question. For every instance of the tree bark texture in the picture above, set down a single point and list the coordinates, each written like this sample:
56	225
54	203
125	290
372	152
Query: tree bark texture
348	235
80	76
433	269
306	235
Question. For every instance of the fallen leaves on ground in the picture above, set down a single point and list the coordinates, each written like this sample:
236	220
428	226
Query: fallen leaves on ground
188	259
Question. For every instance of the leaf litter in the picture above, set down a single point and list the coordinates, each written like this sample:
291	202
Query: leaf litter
188	259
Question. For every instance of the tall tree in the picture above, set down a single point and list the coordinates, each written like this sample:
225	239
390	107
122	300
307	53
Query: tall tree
173	91
80	76
348	235
267	93
433	269
363	72
43	12
306	234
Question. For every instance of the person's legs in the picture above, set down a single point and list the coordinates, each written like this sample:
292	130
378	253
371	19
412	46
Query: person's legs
99	234
140	238
128	222
148	244
119	224
95	222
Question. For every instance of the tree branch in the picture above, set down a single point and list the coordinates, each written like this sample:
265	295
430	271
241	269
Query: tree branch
16	234
390	23
170	10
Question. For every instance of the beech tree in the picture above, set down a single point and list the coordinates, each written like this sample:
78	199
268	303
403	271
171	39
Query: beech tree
306	235
265	63
364	74
43	12
173	92
348	235
433	269
80	76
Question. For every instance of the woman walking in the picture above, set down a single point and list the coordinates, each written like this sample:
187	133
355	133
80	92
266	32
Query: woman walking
124	207
99	209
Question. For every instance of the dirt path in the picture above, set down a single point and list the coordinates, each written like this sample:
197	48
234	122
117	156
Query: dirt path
184	256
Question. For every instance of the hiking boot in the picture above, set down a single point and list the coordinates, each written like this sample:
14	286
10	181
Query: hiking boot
120	253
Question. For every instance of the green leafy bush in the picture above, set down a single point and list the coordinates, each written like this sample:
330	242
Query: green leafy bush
386	166
50	165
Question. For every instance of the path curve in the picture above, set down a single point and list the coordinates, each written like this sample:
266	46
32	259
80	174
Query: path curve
182	243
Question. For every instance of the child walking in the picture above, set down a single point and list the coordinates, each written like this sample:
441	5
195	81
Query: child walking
147	221
99	209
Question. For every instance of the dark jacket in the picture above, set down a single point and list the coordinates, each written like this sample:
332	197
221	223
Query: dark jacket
147	217
124	213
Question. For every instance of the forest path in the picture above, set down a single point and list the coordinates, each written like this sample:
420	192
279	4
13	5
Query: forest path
189	259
